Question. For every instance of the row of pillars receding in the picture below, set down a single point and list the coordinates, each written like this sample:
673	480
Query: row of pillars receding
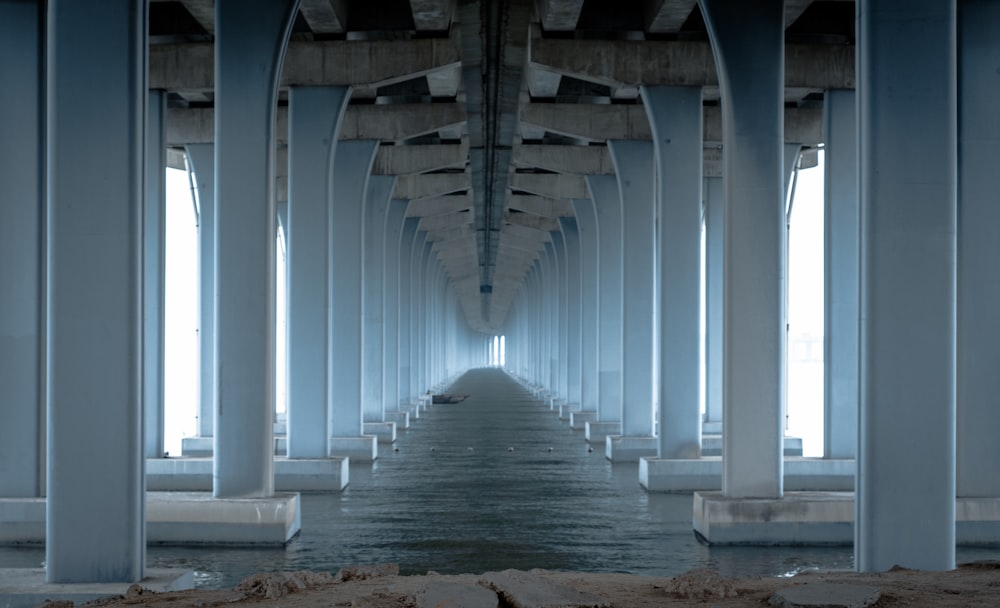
910	273
81	278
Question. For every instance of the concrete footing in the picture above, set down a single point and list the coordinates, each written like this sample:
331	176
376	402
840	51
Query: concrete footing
566	410
198	447
705	474
401	419
290	475
578	420
359	449
178	518
711	428
385	432
818	518
26	587
598	432
711	445
623	448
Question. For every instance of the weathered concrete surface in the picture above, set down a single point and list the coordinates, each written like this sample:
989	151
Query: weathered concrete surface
520	589
25	587
442	594
826	595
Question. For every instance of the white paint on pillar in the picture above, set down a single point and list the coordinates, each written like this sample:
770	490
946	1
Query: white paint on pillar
586	221
153	275
978	251
675	120
314	116
376	203
250	40
201	161
842	229
634	166
607	205
715	199
748	45
905	507
22	105
351	169
95	512
393	235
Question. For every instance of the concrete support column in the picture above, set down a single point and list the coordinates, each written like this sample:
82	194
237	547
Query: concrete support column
675	117
562	288
201	162
842	228
393	235
748	44
906	449
95	514
608	207
314	115
634	165
351	169
978	252
249	35
571	236
403	303
589	294
715	200
153	273
551	283
22	273
376	204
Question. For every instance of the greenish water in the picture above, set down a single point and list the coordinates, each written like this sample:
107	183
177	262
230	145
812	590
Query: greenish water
494	482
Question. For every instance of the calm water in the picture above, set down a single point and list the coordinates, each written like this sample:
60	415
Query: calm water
453	498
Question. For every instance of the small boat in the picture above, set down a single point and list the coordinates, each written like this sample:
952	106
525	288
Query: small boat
445	398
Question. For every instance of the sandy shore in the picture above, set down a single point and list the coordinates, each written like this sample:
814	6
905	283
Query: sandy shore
976	584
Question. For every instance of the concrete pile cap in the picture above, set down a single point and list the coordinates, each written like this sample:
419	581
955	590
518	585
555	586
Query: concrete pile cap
456	595
520	589
826	595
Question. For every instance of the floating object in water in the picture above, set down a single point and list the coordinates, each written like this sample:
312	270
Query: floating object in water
590	449
395	449
433	449
550	449
510	449
471	449
446	398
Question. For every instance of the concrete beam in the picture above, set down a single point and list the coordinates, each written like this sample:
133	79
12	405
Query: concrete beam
438	205
404	160
450	234
526	233
435	223
432	15
579	160
191	66
540	205
559	15
598	122
551	185
203	12
542	82
667	16
621	63
538	222
430	185
324	16
389	122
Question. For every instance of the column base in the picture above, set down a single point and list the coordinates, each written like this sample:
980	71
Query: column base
578	420
713	427
705	474
566	410
385	432
359	449
711	445
598	432
26	587
197	447
196	518
401	418
807	518
290	475
622	448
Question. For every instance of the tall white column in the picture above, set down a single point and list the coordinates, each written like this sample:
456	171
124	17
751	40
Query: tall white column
675	117
351	167
250	39
153	271
22	116
395	220
748	44
906	449
376	204
634	165
590	292
715	200
842	229
95	513
314	115
406	244
607	205
571	236
201	162
978	252
562	325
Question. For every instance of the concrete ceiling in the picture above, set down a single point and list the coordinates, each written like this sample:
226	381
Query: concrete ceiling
492	112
